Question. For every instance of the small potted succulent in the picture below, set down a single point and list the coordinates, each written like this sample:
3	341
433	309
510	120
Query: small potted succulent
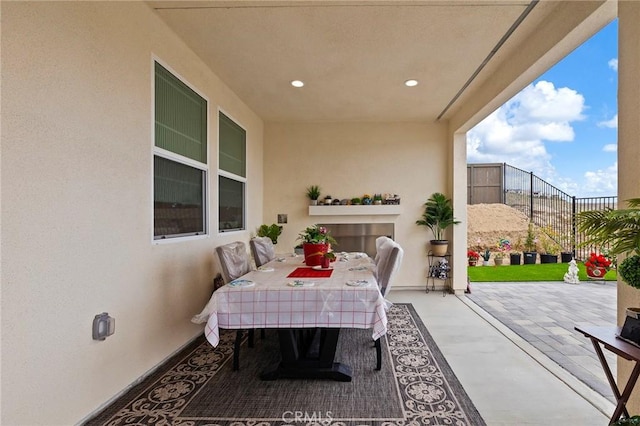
313	192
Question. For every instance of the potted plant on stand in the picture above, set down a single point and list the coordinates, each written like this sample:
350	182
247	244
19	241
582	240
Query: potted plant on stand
529	254
316	241
438	216
313	192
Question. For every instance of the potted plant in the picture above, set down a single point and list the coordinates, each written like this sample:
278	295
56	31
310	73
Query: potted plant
313	192
514	257
486	254
327	259
597	265
550	249
377	199
620	231
529	254
272	231
316	241
503	246
438	216
366	199
472	257
356	201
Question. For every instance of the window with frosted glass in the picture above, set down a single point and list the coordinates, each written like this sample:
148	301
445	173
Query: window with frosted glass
180	158
232	175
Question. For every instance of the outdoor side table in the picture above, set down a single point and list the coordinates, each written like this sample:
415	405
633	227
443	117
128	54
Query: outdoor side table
606	336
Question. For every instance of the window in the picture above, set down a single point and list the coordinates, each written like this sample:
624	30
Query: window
179	159
232	175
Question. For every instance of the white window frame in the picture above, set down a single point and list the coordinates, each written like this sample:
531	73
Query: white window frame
172	156
232	176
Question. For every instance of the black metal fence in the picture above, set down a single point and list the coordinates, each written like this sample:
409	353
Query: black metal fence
550	208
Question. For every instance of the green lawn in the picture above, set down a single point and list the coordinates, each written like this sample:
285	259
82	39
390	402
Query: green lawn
538	272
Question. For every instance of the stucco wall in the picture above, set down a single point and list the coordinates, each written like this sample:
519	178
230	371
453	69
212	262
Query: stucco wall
628	150
77	205
350	159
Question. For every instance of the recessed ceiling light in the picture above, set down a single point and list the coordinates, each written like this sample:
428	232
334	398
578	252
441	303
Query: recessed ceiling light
297	83
411	83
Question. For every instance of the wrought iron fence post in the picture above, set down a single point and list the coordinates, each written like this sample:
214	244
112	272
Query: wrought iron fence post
531	196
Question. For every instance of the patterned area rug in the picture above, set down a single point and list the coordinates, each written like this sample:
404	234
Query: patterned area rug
197	387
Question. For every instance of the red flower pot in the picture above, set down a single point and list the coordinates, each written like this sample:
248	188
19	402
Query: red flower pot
596	272
314	253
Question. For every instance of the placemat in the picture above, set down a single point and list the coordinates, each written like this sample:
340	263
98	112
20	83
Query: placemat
310	273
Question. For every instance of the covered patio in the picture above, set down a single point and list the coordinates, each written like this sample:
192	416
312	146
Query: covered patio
78	151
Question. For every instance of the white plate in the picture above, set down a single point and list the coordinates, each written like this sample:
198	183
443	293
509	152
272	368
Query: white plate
241	283
320	268
265	269
300	283
357	283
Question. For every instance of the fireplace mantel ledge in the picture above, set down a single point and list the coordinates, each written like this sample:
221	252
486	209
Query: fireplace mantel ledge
362	210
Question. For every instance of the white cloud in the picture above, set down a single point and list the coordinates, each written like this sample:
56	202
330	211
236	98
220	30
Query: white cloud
515	132
613	64
601	182
613	123
610	147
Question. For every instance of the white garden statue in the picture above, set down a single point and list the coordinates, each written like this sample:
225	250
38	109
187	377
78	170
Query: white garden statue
571	276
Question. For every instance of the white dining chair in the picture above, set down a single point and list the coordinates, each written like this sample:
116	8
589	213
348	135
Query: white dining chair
235	262
387	268
262	249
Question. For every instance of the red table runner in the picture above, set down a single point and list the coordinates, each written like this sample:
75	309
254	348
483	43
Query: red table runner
310	273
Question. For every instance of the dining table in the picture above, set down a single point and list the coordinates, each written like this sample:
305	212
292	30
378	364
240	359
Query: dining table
307	305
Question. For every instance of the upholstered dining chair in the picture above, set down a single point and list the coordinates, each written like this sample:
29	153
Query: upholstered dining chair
387	267
235	262
262	249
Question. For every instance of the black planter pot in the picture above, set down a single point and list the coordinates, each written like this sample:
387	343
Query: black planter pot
548	258
514	258
530	257
566	256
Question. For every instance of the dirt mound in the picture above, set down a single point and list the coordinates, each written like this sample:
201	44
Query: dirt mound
488	223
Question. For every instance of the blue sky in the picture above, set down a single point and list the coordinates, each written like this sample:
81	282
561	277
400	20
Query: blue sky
563	126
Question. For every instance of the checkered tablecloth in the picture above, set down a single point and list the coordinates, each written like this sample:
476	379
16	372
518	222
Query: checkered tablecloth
315	302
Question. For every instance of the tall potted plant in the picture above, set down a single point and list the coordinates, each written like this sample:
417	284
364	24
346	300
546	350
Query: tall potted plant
620	231
438	216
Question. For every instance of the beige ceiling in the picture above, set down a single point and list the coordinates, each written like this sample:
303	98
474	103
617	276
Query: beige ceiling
353	56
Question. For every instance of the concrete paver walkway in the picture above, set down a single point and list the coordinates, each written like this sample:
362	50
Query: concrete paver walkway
545	313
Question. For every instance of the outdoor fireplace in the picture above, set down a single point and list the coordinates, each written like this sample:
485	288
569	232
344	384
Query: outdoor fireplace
359	237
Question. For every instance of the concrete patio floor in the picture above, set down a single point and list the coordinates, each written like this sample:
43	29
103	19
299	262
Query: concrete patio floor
508	379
